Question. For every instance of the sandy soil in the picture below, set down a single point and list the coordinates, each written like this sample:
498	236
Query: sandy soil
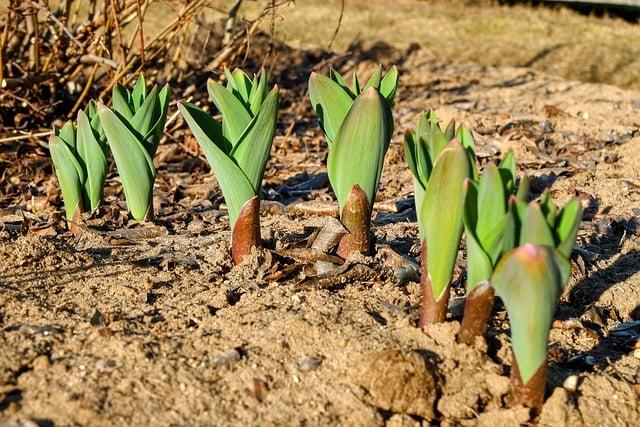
152	326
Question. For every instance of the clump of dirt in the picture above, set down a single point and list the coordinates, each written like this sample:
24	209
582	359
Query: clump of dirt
131	325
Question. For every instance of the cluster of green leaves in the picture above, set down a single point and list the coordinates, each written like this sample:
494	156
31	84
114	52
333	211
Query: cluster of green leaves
79	155
488	217
133	130
440	161
529	279
358	124
238	146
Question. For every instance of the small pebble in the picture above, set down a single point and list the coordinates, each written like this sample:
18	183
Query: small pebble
258	389
308	363
227	358
40	363
571	383
96	318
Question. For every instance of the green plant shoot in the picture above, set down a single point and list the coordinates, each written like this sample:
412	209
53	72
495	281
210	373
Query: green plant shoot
237	148
133	130
79	155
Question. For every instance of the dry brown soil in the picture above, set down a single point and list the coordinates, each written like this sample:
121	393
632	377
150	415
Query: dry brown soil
153	326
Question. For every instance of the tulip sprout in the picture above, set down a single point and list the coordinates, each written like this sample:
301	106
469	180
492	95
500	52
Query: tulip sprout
529	280
133	129
79	155
440	164
238	148
488	223
358	124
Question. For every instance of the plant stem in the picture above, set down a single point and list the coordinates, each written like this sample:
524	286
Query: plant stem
530	394
73	225
150	215
477	310
432	310
356	218
246	230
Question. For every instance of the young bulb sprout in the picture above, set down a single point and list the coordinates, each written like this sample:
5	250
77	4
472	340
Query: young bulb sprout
358	124
237	148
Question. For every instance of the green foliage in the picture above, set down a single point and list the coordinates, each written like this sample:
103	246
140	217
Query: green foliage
238	147
529	281
530	278
488	219
423	147
440	216
80	161
358	124
133	130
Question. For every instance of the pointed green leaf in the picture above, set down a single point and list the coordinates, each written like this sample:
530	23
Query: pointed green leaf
68	135
389	85
507	168
69	173
243	84
252	151
528	281
145	118
492	202
231	81
134	164
450	131
337	77
523	189
358	151
479	265
355	85
235	117
139	93
410	148
94	161
158	127
436	142
258	93
442	214
331	104
424	162
534	228
567	229
549	209
374	80
423	128
235	186
121	101
466	139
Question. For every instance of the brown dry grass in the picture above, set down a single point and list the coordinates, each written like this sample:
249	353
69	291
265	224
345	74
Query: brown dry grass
560	42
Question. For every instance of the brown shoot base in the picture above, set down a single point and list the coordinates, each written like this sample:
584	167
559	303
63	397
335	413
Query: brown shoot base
246	230
432	310
530	394
356	218
477	310
74	224
150	215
